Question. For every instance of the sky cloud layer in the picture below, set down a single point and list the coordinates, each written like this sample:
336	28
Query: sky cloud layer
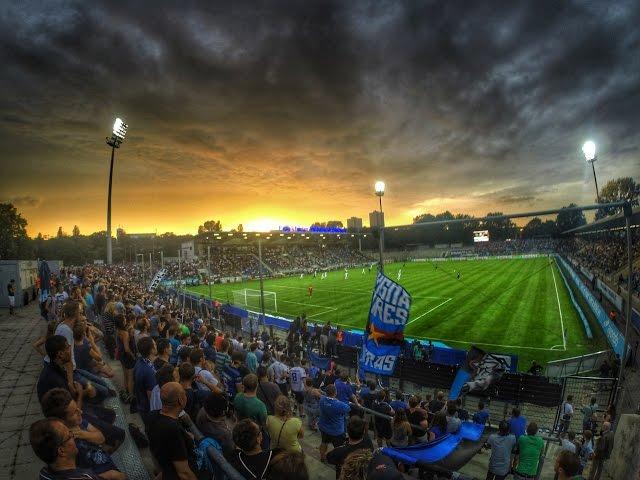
290	110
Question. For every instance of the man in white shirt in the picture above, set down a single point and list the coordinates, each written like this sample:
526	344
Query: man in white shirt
281	374
297	375
205	379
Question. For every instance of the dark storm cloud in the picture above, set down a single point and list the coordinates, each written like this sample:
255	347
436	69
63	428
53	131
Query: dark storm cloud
439	98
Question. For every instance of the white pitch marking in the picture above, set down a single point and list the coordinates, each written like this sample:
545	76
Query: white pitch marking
564	340
429	311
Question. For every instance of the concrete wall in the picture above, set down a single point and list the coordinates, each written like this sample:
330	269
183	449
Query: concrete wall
24	272
625	458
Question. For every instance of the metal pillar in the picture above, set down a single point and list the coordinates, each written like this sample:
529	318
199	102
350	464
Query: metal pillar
381	231
109	250
623	359
261	285
595	179
209	269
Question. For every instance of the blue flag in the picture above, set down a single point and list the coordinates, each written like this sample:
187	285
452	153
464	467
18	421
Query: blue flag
384	336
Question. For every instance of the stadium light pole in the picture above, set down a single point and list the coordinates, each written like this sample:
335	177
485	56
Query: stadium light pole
379	188
261	286
209	269
114	141
589	150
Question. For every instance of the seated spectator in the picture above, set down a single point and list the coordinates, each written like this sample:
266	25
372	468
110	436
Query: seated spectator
401	429
267	391
502	445
399	402
357	439
461	413
528	456
212	422
517	423
87	354
356	465
187	374
438	426
57	403
382	467
437	403
453	422
247	404
170	444
289	465
481	417
57	372
52	442
567	466
417	416
332	421
284	429
249	459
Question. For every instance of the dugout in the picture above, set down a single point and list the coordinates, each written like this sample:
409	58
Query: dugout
25	273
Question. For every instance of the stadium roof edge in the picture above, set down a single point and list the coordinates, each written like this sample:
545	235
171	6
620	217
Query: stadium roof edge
608	223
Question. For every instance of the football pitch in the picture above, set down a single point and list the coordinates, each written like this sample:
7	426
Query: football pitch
518	306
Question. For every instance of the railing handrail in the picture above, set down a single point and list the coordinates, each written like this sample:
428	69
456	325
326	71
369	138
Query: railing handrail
568	359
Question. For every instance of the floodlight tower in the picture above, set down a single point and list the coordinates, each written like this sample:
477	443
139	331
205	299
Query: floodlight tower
589	150
114	141
379	188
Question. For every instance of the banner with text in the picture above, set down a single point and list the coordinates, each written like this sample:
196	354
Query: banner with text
384	335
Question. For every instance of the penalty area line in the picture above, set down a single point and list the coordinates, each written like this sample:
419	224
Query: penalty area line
430	310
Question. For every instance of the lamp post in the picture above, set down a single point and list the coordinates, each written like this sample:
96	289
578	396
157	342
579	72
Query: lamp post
114	141
161	252
379	188
589	150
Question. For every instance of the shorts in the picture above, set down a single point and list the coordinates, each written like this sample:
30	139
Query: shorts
12	301
335	440
284	388
299	396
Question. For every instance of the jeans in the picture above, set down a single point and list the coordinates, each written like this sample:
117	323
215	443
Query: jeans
495	476
99	383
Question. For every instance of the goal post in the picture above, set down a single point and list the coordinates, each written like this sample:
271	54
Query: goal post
251	298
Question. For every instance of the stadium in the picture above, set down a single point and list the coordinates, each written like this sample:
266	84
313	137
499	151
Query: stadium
320	240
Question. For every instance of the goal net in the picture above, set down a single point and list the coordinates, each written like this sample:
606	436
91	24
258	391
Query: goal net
251	299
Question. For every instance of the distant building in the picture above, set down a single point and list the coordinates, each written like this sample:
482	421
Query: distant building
120	233
188	250
354	224
376	219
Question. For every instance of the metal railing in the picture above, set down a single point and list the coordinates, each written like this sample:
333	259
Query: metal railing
576	365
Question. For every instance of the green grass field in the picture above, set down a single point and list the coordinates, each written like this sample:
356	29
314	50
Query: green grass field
517	306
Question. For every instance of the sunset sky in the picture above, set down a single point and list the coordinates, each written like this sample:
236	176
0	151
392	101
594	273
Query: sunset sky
272	113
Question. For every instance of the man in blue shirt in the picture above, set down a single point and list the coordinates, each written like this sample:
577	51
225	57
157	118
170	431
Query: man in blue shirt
344	390
332	420
144	376
232	377
517	423
399	402
482	415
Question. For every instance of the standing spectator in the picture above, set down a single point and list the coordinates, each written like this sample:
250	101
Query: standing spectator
345	392
604	446
587	413
566	414
567	466
502	445
249	459
298	375
605	369
383	425
281	375
289	465
517	423
453	422
267	391
52	442
11	292
232	377
357	440
247	404
481	417
163	348
205	380
211	421
401	429
285	429
586	449
438	427
332	421
312	403
252	360
125	353
399	402
437	403
170	444
418	417
528	456
187	374
144	377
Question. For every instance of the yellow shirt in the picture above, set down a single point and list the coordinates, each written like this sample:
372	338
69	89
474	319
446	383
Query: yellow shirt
284	437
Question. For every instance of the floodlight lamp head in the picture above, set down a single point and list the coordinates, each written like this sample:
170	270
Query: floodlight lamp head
379	188
589	150
119	129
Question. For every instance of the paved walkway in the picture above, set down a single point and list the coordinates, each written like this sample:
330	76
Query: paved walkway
20	366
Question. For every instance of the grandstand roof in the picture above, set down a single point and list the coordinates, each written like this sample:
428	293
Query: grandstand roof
613	222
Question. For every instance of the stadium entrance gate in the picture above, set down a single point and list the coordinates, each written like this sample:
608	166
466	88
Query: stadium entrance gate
582	389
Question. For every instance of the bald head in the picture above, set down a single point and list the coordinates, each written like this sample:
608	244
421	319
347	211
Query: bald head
606	426
172	396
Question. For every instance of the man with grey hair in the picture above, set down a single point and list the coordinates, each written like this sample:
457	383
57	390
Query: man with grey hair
602	452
